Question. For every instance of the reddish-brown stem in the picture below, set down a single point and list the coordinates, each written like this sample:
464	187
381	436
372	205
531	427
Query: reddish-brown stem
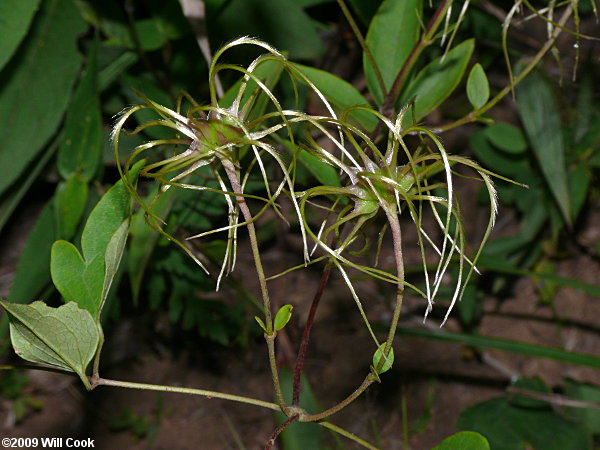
278	431
306	336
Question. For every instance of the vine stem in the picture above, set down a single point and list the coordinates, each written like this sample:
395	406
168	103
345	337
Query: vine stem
270	334
368	381
278	431
474	115
306	336
95	382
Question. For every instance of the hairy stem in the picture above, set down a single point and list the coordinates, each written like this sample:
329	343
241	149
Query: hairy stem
368	381
269	335
183	390
392	216
278	431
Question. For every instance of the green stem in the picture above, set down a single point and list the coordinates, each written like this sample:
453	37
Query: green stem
368	381
347	434
96	367
474	115
363	44
269	334
184	390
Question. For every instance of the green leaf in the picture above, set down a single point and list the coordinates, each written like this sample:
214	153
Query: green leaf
506	137
588	393
540	116
280	22
16	18
365	9
500	162
465	440
579	183
393	33
436	81
36	86
66	337
33	270
71	198
144	239
341	94
387	360
106	218
113	255
86	277
478	87
260	323
11	198
269	73
283	316
80	150
510	427
538	351
111	72
322	171
77	280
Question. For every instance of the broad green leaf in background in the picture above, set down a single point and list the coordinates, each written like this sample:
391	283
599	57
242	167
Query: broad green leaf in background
506	137
144	239
80	151
588	393
365	9
35	87
579	182
341	94
111	72
522	427
322	171
269	73
16	18
66	337
465	440
283	23
148	87
392	35
436	81
540	116
507	345
478	87
11	198
33	273
70	200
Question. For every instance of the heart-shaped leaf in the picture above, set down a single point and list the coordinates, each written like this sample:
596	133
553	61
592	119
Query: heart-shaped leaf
85	277
76	279
66	337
